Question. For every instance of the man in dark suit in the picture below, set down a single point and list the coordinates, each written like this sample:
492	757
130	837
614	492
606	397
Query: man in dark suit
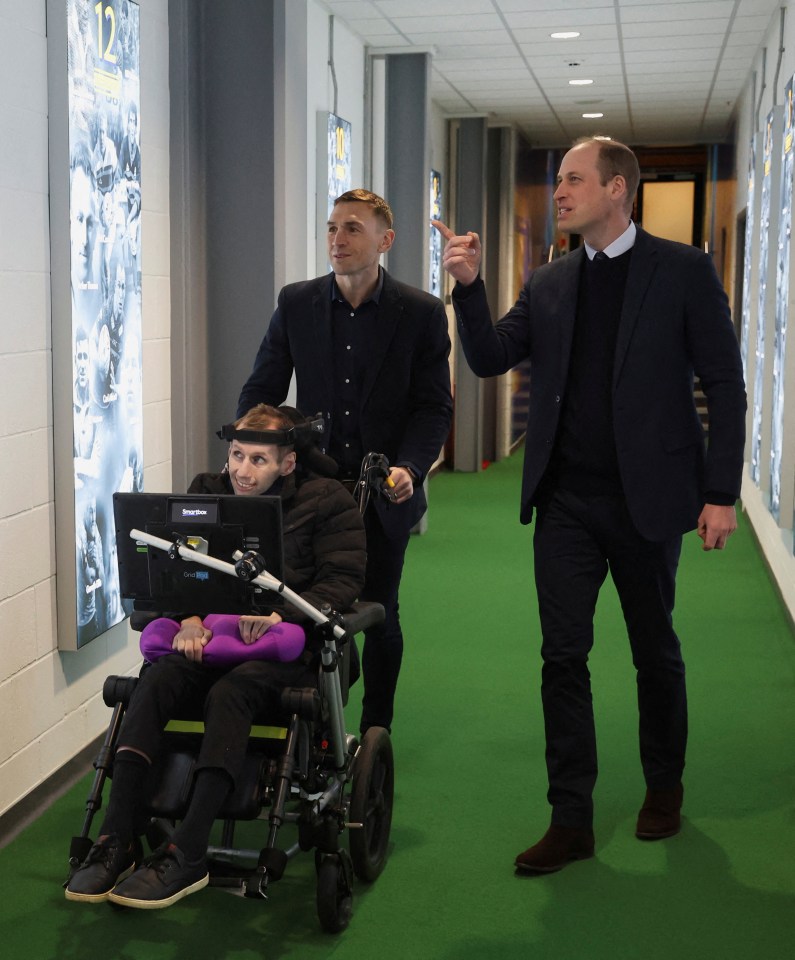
615	465
371	354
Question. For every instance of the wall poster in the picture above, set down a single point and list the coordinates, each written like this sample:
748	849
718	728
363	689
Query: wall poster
782	304
339	158
750	225
333	172
764	242
435	252
104	126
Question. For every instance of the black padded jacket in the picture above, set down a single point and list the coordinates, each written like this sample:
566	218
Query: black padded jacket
324	540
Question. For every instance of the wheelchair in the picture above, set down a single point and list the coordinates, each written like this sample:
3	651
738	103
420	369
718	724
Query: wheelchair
308	773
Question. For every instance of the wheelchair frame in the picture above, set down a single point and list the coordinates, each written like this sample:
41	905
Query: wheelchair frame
347	788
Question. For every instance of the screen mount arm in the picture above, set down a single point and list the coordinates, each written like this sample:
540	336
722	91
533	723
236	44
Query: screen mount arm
263	579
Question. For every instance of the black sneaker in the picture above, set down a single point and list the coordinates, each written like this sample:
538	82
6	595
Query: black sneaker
162	879
108	862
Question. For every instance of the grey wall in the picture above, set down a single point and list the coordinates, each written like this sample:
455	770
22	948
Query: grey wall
407	154
222	212
470	148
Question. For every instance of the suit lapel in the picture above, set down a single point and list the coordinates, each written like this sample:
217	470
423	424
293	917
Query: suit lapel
642	265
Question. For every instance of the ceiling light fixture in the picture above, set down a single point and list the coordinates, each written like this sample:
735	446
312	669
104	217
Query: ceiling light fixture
565	35
592	116
579	83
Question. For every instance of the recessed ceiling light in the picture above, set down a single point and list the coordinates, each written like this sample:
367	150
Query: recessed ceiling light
592	116
579	83
565	35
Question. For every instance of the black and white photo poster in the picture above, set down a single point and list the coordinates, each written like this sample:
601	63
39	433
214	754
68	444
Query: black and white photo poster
435	252
764	243
105	264
782	301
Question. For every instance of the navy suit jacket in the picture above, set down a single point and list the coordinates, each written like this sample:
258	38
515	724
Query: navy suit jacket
675	322
405	403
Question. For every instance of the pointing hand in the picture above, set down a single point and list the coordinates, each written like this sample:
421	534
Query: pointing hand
462	254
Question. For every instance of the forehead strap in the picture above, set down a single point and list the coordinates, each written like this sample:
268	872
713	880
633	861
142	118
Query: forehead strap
300	435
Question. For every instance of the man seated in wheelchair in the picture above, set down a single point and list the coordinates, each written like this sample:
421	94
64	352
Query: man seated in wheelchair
232	668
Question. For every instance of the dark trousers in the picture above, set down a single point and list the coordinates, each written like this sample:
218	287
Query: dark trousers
227	700
577	540
383	645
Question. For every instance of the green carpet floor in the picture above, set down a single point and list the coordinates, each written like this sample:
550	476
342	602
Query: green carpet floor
470	786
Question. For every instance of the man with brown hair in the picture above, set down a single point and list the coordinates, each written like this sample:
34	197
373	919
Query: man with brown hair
615	465
231	672
371	354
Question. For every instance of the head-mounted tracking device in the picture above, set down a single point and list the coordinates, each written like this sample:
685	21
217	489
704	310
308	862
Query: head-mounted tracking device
300	435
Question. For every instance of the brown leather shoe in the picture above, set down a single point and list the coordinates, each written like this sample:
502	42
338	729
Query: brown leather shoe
558	846
660	815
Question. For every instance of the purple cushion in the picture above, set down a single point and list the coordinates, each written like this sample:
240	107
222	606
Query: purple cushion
283	642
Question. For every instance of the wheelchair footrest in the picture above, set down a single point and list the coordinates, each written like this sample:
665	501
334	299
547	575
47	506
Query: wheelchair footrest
274	861
78	851
269	869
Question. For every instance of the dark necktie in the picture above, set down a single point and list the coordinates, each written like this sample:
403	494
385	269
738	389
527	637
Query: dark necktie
600	256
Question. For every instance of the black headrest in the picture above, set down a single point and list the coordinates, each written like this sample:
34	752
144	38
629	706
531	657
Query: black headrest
307	437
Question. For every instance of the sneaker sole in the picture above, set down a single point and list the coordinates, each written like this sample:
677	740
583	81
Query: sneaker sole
647	835
526	868
159	904
97	897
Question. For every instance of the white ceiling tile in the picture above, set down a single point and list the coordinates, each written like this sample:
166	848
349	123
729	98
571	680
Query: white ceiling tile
475	51
698	45
603	59
513	66
758	21
387	40
422	8
462	38
550	19
701	56
366	27
684	12
437	24
673	28
539	6
349	9
532	42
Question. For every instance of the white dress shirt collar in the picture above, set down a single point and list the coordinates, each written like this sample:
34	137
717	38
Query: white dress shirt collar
620	245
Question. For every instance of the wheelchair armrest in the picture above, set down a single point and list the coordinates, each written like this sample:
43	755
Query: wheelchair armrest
363	615
118	690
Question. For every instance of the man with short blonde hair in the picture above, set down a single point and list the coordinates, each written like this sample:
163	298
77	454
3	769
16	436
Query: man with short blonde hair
371	353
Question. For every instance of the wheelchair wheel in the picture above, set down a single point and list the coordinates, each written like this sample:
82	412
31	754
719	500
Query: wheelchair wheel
371	804
334	897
